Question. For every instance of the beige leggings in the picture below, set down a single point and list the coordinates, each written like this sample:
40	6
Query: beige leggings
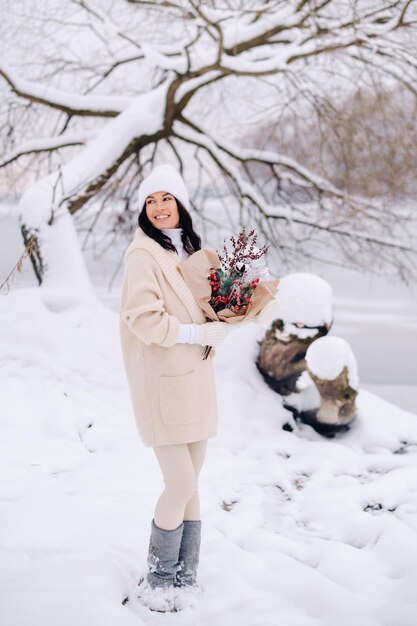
180	464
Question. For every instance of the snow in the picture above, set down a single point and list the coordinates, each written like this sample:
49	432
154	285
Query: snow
78	507
48	143
144	115
69	280
60	251
99	105
159	60
304	298
297	529
327	356
194	83
245	28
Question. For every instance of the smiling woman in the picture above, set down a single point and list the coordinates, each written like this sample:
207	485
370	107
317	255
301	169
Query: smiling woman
162	210
173	389
163	204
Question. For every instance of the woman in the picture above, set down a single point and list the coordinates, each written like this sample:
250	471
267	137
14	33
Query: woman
163	331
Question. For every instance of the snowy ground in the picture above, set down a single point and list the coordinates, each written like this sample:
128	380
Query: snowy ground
297	529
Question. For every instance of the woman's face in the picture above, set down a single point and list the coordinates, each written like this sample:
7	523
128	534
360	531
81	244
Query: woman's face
162	210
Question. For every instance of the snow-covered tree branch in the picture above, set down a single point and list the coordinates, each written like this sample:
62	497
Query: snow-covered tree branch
47	144
126	82
73	104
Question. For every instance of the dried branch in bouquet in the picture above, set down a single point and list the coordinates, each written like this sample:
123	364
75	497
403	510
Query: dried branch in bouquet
241	251
227	286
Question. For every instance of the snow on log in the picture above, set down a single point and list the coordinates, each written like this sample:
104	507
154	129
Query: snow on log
327	359
317	374
326	392
333	369
304	314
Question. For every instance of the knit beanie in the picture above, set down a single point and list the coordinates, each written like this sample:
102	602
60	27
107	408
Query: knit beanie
163	178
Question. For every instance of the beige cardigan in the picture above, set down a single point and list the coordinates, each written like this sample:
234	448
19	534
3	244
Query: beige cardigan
172	388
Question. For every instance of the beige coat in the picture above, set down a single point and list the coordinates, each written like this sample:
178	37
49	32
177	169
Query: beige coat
172	388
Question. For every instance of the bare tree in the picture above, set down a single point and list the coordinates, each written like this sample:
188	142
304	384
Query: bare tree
180	74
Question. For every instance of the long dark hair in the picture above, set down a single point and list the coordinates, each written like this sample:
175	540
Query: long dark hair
190	239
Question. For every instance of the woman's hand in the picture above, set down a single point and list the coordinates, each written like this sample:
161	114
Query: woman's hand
213	333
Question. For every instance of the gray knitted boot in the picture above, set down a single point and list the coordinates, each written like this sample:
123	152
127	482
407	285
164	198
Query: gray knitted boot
189	554
156	590
164	546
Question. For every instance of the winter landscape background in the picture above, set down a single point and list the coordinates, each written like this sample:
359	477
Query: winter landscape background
298	529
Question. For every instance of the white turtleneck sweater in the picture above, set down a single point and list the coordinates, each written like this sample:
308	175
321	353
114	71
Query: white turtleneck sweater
189	333
175	235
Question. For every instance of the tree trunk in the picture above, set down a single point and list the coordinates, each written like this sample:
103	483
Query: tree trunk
56	258
281	357
337	405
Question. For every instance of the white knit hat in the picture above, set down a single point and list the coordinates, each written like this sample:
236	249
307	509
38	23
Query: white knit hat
163	178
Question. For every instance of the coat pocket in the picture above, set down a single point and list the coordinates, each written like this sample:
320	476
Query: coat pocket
178	399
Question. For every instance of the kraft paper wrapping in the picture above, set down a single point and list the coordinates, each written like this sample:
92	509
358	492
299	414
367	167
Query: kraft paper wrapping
195	271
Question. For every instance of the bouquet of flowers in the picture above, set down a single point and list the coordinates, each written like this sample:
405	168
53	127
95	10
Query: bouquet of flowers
233	287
